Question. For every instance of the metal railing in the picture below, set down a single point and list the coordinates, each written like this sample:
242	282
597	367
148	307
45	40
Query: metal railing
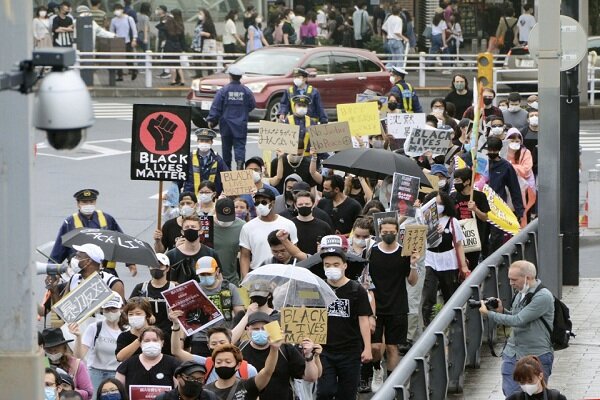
435	364
594	83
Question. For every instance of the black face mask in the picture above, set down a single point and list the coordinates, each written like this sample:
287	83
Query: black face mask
493	156
304	211
328	195
225	372
191	389
356	183
259	300
459	187
289	195
388	238
157	273
487	101
191	235
392	105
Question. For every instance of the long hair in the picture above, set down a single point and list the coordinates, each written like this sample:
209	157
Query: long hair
527	368
117	383
437	18
175	25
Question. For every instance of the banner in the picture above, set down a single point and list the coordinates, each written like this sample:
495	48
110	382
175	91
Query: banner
207	230
278	136
405	190
146	392
237	182
330	137
500	214
438	141
469	228
160	142
415	239
431	219
82	302
363	118
399	125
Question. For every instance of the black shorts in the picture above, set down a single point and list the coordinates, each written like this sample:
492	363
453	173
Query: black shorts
392	328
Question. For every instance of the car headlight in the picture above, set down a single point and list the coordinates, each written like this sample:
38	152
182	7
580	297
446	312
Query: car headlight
196	85
256	87
210	88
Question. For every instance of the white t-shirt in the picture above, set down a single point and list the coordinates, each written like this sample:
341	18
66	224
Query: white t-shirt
254	237
102	354
393	27
445	261
439	28
526	22
229	32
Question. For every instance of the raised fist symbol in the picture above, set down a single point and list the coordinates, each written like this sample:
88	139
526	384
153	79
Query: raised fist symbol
161	129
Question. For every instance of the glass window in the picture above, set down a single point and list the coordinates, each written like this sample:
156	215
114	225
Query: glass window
345	65
321	64
269	62
369	66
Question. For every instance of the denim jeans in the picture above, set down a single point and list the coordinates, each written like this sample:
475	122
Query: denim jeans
436	44
509	386
341	374
396	49
98	375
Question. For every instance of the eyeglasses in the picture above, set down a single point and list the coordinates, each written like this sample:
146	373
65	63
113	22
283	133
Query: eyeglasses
262	202
190	379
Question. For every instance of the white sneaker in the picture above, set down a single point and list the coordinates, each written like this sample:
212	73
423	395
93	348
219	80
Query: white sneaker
377	381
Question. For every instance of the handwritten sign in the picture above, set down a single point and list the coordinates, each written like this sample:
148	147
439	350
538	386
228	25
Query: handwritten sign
419	141
277	136
363	118
303	322
400	125
82	302
330	137
433	180
415	239
237	182
431	219
380	216
469	228
146	392
405	190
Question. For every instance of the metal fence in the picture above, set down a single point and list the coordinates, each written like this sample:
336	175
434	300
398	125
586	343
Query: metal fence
435	365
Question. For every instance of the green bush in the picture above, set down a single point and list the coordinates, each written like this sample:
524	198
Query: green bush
375	44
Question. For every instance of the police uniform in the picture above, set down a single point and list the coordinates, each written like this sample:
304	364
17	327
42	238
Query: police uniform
230	110
315	109
303	122
408	100
207	168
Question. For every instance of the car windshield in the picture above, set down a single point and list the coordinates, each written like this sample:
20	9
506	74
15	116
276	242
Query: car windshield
268	62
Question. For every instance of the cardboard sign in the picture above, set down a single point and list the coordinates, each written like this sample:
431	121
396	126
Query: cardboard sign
405	190
274	330
82	302
500	214
399	125
469	228
330	137
438	141
146	392
160	142
432	220
302	322
380	216
237	182
433	180
277	136
198	311
415	239
207	230
363	118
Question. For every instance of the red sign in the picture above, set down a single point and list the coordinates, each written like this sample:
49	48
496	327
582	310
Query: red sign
149	392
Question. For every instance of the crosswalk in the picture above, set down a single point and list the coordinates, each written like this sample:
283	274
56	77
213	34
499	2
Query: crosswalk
589	140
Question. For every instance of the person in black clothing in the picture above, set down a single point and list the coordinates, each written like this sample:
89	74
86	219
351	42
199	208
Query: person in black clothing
530	136
137	314
283	250
291	164
62	27
529	373
316	212
460	95
165	238
190	381
310	229
489	108
342	209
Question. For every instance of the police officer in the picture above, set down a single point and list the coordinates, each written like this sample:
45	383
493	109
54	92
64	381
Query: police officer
405	91
87	217
301	87
230	111
206	165
300	118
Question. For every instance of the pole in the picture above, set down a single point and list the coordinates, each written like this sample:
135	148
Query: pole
160	198
549	150
21	365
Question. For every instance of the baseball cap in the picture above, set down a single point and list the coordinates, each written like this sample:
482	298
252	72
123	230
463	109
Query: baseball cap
115	302
225	209
206	265
339	241
265	192
440	169
92	250
163	259
254	160
333	251
259	288
258	316
189	367
300	186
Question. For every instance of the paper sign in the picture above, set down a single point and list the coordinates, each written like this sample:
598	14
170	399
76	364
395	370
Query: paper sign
146	392
380	216
419	141
415	239
431	219
198	311
302	322
399	125
278	136
244	296
363	118
433	180
237	182
405	190
274	330
82	302
330	137
365	97
469	228
500	214
207	230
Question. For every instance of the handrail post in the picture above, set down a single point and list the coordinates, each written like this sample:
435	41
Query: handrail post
422	69
148	65
592	80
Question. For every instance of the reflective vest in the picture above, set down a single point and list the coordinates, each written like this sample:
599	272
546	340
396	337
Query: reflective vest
291	90
307	122
407	96
197	168
103	225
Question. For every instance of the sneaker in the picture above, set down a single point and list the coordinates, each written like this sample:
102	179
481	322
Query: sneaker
377	381
364	386
164	75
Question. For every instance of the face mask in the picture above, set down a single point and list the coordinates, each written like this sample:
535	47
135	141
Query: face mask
42	14
488	101
328	195
186	211
74	264
301	111
360	242
493	156
191	235
534	105
118	13
356	184
392	105
291	16
157	273
256	177
533	121
54	358
496	131
459	187
459	85
241	215
263	210
191	389
503	108
49	393
438	112
258	20
377	144
296	159
514	146
207	281
298	81
205	198
88	209
392	81
304	211
204	147
388	238
136	321
442	183
333	274
467	147
224	224
514	109
260	300
530	388
151	349
440	209
112	316
260	338
111	396
225	372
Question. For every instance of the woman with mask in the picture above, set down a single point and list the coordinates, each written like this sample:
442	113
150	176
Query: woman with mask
256	39
137	315
520	158
42	36
460	95
358	188
207	197
100	341
242	209
59	356
151	367
529	374
438	110
170	234
111	389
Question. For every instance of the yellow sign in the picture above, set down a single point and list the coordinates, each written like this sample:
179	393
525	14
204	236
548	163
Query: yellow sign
415	239
299	323
500	214
278	136
362	117
237	182
274	330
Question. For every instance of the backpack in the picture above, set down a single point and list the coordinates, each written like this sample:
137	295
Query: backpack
509	35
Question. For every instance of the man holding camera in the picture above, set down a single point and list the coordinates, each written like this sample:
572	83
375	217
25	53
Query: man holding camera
528	336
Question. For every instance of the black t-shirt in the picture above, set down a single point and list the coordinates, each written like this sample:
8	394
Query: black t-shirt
359	197
302	170
537	396
125	339
171	230
344	215
461	201
530	140
309	234
174	395
245	389
183	267
317	213
389	272
343	331
160	374
290	364
461	102
62	39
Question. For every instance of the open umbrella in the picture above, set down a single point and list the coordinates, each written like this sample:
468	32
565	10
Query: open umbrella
292	286
316	259
375	163
117	246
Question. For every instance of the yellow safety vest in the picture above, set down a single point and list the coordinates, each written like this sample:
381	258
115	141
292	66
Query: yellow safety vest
309	90
196	168
307	123
406	103
103	225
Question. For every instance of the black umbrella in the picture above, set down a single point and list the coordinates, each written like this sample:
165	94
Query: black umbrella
375	163
117	246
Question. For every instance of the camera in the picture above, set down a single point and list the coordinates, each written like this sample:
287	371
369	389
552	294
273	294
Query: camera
50	269
491	303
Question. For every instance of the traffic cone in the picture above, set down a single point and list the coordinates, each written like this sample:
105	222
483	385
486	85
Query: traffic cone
583	220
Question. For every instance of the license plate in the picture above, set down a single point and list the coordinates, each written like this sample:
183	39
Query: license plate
527	63
205	105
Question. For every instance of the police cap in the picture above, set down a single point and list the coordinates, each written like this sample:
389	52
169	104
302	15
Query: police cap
398	71
204	133
86	194
301	99
301	72
235	70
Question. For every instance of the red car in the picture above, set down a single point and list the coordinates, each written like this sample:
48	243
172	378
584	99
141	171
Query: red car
339	74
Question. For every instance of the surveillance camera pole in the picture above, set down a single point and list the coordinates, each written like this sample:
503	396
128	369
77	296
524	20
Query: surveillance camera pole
21	363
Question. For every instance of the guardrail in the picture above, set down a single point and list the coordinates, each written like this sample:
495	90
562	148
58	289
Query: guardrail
594	83
435	364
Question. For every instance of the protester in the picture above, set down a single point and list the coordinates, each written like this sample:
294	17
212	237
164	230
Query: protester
242	209
515	115
207	196
342	209
137	315
309	228
438	110
190	381
257	166
292	165
300	86
124	27
227	231
358	188
42	35
530	135
111	389
460	95
170	233
52	382
489	109
404	91
520	158
529	374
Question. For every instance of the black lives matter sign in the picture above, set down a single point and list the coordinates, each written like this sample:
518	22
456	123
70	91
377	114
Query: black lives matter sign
160	142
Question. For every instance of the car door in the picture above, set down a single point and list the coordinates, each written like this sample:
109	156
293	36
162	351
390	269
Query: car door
348	77
324	81
378	79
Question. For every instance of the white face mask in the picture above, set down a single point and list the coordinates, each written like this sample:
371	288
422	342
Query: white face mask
393	80
224	224
136	321
534	121
530	388
205	198
497	131
534	105
42	14
438	112
256	177
514	146
301	111
74	264
298	81
377	144
503	108
151	349
186	211
263	210
333	274
258	20
204	147
360	242
54	357
513	109
118	13
87	209
442	183
440	209
112	316
296	159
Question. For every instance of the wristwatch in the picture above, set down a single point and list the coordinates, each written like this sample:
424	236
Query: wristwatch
309	359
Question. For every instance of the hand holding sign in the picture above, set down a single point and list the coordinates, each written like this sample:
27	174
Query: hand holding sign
162	130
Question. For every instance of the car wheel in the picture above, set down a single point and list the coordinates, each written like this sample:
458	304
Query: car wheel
273	109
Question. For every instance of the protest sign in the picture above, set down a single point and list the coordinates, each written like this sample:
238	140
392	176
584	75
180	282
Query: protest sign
471	232
278	136
431	219
380	216
419	141
433	181
207	229
84	300
330	137
399	125
369	95
146	392
405	190
500	214
415	239
363	118
274	330
198	311
160	142
237	182
302	322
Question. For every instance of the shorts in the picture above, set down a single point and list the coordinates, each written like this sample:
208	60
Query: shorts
393	328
